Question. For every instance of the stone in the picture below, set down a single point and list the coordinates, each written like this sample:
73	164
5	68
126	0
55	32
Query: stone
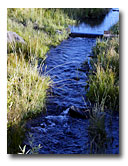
77	113
43	125
13	37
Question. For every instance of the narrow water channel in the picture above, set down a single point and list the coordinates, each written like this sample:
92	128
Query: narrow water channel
57	132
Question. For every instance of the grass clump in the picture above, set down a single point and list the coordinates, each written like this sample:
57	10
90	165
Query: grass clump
26	89
99	140
104	82
26	92
96	131
33	148
103	88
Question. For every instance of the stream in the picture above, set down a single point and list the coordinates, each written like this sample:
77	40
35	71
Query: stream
57	132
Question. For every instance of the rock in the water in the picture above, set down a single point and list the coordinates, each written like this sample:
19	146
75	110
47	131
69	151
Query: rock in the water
14	37
77	113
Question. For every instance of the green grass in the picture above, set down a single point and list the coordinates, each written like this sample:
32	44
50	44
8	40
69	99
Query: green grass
26	95
26	89
38	27
103	88
104	82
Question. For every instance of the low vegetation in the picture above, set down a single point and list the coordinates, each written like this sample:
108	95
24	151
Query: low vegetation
26	89
103	90
104	81
96	132
40	28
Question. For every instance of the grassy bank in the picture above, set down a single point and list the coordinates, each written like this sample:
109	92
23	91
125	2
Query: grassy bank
27	91
104	82
40	28
103	90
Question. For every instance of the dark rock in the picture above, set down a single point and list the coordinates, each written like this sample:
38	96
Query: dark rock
77	113
84	67
43	125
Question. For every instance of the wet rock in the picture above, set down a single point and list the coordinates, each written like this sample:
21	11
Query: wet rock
14	37
77	113
43	125
84	67
65	112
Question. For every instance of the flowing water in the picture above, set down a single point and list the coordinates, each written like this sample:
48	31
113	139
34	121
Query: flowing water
57	132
